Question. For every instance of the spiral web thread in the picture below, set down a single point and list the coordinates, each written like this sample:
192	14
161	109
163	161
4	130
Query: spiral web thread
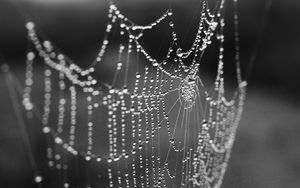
163	127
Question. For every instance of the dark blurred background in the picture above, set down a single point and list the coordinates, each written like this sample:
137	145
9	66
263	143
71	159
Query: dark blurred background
266	153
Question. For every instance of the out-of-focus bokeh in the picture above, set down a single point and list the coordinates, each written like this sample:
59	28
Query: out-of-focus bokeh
266	153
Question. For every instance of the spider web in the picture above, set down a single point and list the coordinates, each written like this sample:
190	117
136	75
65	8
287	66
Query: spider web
162	126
